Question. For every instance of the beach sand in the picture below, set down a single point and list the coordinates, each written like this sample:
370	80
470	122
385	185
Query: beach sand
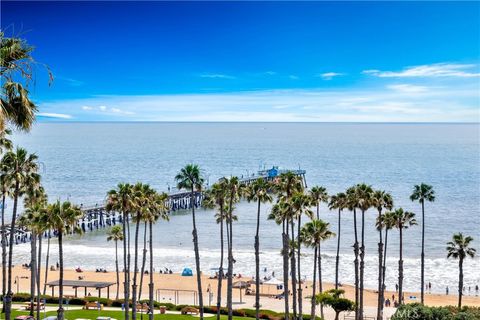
177	282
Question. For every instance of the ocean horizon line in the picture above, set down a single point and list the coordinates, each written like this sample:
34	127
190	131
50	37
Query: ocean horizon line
260	122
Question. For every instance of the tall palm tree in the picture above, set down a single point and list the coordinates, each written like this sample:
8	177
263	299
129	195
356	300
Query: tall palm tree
338	202
190	178
364	194
41	221
312	234
122	200
5	142
285	186
115	234
421	193
318	195
351	205
143	195
144	257
258	191
235	190
215	197
300	204
381	200
459	248
385	221
64	218
20	170
403	220
5	189
34	201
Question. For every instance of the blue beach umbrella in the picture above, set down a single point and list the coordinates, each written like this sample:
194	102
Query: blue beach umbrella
187	272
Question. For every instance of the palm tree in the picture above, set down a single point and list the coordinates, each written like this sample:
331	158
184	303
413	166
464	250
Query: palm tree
64	218
352	204
158	210
122	200
403	220
421	193
285	186
459	248
216	197
364	195
34	202
258	191
300	204
318	195
20	170
385	221
116	234
381	200
5	189
142	202
338	202
190	178
42	226
144	257
312	234
235	190
5	142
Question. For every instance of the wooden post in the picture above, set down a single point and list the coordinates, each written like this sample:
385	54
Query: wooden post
85	291
76	288
99	292
108	292
53	291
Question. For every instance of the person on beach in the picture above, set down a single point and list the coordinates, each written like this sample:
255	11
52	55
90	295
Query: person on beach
446	291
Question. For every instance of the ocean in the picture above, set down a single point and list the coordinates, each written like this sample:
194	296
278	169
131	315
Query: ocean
82	161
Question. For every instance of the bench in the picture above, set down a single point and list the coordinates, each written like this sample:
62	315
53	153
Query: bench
191	310
92	305
29	306
142	307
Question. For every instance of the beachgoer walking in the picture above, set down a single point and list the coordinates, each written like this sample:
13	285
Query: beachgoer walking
446	290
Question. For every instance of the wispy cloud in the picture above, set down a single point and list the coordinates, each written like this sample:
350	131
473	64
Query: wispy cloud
71	82
329	75
54	115
380	103
293	77
407	88
216	76
430	70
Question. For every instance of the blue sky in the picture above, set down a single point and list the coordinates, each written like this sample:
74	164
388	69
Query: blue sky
253	61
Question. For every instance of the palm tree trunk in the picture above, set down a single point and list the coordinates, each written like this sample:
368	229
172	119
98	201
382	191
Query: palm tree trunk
135	269
300	302
220	269
150	285
362	265
460	283
39	263
314	285
384	266
60	282
47	258
230	271
320	282
380	270
422	257
33	270
4	254
400	269
197	255
337	259
257	265
144	261
294	272
355	250
8	299
126	264
116	268
285	238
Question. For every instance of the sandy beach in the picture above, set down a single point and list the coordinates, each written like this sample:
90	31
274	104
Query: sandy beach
170	286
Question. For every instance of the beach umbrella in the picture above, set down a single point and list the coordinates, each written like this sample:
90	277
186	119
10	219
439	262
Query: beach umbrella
241	285
187	272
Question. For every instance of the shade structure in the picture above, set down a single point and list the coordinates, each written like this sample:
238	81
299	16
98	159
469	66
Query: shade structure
241	285
187	272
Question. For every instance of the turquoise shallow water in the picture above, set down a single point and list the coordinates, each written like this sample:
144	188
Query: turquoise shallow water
82	161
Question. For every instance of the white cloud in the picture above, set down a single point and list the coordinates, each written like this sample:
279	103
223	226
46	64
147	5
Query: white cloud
216	76
293	77
54	115
430	70
87	108
71	82
330	75
102	108
408	88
